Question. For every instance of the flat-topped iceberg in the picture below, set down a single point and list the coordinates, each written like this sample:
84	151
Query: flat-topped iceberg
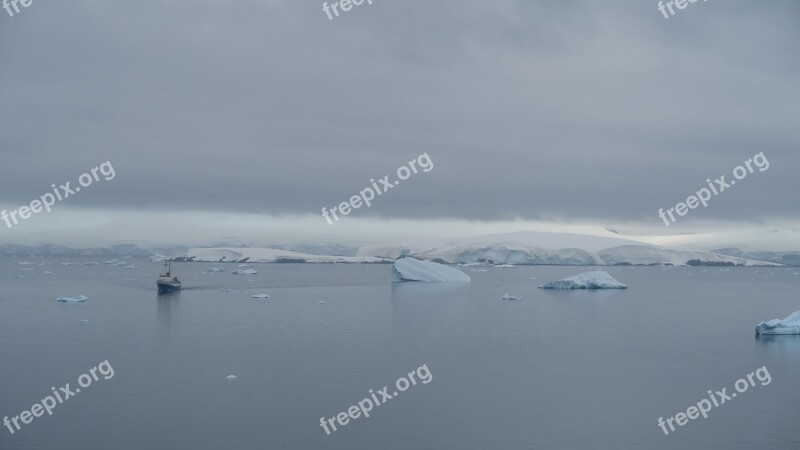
410	269
78	299
244	272
588	280
789	325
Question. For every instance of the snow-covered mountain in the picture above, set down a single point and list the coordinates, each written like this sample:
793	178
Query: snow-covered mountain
527	248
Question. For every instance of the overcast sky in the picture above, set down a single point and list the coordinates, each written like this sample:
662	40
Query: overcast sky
596	112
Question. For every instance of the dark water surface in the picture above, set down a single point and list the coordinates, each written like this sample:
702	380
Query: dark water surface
556	370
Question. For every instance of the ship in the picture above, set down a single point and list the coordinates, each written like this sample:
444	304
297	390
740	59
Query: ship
166	282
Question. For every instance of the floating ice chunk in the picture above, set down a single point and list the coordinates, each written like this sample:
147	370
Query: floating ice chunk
112	261
231	377
245	265
479	270
79	299
410	269
511	297
245	272
259	296
321	302
789	325
47	272
215	270
85	320
588	280
504	266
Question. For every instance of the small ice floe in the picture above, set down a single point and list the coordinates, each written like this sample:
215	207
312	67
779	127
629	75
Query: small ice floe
321	302
112	261
19	276
25	269
47	272
85	320
259	296
478	270
789	325
26	263
231	377
411	269
531	278
511	297
245	265
215	270
503	266
91	263
79	299
588	280
245	272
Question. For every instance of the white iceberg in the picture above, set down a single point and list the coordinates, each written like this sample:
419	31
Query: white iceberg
231	377
410	269
259	296
79	299
588	280
511	297
789	325
503	266
244	272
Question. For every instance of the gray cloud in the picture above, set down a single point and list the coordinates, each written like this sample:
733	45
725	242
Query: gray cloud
572	109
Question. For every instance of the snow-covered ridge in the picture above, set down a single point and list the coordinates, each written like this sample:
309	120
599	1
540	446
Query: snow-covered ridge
525	248
270	255
510	253
648	254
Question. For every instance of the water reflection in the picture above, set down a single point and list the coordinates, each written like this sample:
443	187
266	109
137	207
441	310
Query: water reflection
167	305
419	304
778	344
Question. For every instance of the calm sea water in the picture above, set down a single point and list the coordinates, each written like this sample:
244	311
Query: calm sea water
556	370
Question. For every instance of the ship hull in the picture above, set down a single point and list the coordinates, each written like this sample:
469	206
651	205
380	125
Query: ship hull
165	286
